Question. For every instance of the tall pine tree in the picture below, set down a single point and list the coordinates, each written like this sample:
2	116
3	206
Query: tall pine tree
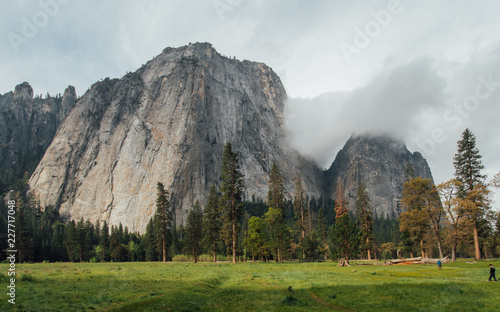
275	216
211	219
163	219
365	222
468	166
300	212
344	238
194	230
231	200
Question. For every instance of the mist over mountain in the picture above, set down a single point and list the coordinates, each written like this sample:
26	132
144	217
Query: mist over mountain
168	122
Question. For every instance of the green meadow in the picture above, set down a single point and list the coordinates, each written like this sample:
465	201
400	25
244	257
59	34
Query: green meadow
181	286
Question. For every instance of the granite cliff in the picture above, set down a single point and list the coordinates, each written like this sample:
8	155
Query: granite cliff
380	162
29	123
167	122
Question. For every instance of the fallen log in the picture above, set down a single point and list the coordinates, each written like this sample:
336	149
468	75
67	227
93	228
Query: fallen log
418	260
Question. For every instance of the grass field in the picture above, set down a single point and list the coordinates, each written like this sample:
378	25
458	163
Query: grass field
150	286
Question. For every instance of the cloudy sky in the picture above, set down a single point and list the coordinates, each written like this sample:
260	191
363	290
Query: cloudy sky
422	70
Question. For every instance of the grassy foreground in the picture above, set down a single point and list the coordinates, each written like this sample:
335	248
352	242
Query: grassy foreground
250	287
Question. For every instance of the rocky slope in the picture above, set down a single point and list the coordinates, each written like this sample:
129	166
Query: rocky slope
379	162
29	124
168	122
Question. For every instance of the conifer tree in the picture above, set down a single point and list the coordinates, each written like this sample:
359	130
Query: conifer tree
300	212
194	230
104	242
468	166
81	239
364	217
344	238
231	199
468	163
276	213
163	220
211	221
70	239
322	233
148	242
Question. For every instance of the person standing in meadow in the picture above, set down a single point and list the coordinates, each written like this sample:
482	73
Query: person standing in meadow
492	273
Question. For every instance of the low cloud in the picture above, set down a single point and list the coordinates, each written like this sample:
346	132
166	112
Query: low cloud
426	102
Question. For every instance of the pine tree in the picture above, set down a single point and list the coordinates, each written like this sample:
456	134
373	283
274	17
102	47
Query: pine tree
231	199
322	233
115	243
81	239
57	252
365	222
276	213
194	230
468	166
163	218
211	228
148	242
300	212
468	163
70	239
104	242
344	238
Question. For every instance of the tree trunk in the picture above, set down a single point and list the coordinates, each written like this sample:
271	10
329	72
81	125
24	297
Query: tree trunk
369	254
234	237
422	248
303	232
440	248
476	243
453	253
164	247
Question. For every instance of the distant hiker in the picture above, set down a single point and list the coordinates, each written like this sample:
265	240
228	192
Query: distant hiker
439	264
492	273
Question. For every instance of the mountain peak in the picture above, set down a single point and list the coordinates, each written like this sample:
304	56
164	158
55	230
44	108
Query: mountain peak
23	91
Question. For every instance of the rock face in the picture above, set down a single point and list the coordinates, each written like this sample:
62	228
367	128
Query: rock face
168	122
29	124
379	162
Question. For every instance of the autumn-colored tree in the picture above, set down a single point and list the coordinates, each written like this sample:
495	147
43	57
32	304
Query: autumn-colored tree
453	207
364	218
340	203
495	182
417	201
231	200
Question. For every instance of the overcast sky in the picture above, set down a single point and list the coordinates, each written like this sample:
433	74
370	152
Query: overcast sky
422	70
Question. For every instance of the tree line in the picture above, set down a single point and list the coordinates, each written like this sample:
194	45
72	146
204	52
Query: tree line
454	218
